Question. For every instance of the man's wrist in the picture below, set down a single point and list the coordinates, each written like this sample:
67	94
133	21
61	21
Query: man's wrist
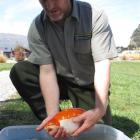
101	110
101	106
52	112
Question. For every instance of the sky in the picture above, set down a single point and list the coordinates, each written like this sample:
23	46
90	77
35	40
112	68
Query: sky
124	16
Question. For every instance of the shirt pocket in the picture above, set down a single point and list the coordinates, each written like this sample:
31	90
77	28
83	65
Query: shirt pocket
82	43
82	49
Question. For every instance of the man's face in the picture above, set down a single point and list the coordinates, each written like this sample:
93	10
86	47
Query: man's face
56	10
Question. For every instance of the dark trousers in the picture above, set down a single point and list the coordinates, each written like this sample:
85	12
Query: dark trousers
25	77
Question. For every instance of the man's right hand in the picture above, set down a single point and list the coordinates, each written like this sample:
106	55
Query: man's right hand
57	132
43	123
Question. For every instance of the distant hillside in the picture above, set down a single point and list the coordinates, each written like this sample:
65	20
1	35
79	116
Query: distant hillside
135	38
8	41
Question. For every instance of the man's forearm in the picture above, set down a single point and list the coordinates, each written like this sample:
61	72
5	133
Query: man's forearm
101	83
49	87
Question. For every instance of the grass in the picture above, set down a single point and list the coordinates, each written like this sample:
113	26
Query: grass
5	66
16	112
125	102
125	98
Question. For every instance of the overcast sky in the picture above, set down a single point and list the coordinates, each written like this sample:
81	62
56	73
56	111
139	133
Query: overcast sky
124	16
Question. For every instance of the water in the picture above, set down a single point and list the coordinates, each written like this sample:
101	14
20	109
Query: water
100	132
70	138
31	139
37	139
34	139
74	138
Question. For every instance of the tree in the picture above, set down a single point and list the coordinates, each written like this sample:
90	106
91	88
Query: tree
135	39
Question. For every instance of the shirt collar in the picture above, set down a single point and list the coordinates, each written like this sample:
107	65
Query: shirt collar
45	17
75	9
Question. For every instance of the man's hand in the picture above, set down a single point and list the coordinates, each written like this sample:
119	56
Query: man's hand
57	132
87	120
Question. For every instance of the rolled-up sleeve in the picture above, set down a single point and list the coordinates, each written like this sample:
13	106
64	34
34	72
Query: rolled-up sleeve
39	49
103	45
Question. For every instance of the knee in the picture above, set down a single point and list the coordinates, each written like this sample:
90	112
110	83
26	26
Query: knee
13	71
17	71
24	71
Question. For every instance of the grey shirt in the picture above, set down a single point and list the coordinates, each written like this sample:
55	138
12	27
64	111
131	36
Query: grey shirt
86	38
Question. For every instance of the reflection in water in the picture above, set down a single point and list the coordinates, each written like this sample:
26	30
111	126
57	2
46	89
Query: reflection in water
70	138
36	139
74	138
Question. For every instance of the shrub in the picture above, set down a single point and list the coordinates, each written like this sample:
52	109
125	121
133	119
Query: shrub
3	58
130	55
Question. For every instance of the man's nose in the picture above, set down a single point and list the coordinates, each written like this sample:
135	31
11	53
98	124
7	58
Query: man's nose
50	4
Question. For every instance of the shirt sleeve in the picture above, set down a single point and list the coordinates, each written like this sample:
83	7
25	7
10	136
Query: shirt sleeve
103	45
39	50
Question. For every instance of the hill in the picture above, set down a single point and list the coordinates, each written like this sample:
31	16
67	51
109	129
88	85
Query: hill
9	41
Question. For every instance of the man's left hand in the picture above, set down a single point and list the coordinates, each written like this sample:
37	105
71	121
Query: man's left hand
87	120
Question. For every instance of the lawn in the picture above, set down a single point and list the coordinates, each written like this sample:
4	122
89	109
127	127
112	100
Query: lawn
125	102
5	66
125	97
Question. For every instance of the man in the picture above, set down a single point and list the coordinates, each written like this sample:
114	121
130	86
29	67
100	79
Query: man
71	46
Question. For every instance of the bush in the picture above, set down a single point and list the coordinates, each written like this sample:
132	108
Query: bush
3	58
130	55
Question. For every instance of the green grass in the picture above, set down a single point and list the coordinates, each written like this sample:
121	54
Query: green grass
5	66
125	97
16	112
125	102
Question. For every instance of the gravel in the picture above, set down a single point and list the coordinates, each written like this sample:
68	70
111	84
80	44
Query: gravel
7	90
